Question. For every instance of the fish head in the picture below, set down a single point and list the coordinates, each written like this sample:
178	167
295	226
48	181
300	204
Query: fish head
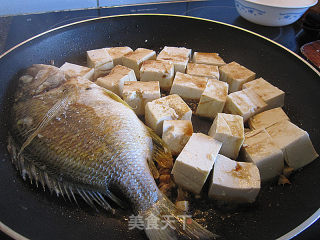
40	78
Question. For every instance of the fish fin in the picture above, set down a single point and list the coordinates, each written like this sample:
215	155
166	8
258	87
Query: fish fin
115	199
36	173
164	221
115	97
161	153
153	169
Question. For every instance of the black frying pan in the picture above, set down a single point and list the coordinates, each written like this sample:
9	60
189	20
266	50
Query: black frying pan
278	209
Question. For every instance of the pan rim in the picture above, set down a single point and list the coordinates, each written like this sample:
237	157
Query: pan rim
294	232
11	233
161	14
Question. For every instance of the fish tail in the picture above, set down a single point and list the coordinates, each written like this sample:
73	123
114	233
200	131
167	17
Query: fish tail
164	221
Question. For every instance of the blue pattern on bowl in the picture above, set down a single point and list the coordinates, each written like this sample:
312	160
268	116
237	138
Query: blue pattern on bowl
293	15
249	10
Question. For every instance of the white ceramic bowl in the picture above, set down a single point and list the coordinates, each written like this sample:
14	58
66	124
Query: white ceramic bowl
273	12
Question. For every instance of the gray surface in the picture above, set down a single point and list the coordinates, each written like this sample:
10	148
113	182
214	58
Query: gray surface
17	7
4	29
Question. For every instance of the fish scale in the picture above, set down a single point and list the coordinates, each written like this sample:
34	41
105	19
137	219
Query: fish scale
80	170
77	138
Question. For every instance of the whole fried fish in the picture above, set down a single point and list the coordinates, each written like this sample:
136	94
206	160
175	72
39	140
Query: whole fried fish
76	137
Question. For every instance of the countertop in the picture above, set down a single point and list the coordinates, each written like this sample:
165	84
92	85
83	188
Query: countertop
15	29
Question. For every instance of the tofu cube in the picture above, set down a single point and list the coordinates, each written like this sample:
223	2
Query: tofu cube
188	87
171	107
137	94
245	103
158	70
229	130
235	75
180	64
176	134
74	70
212	99
176	51
135	59
114	81
117	54
234	181
267	118
100	60
259	148
194	163
273	96
208	58
294	142
203	70
180	57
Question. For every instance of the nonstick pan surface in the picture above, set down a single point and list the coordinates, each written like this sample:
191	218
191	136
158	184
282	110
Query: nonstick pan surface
35	214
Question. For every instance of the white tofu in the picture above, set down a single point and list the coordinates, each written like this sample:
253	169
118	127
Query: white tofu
273	96
176	134
212	99
245	103
180	57
188	87
234	181
114	81
135	59
180	64
158	70
267	118
256	100
235	75
171	107
193	165
117	54
229	130
176	52
74	70
137	94
203	70
294	142
259	149
100	60
208	58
